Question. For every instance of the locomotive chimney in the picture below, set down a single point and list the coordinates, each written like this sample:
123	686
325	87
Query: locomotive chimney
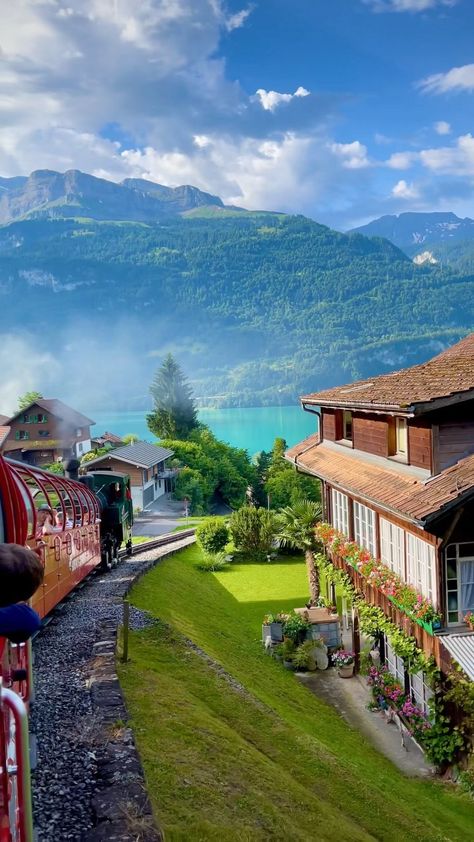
72	469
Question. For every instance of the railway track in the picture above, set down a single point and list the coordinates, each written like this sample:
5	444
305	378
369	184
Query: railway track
159	541
63	716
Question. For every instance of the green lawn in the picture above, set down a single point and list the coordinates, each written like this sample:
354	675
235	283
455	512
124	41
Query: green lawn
271	762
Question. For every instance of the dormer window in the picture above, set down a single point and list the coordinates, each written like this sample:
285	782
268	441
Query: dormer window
347	425
401	436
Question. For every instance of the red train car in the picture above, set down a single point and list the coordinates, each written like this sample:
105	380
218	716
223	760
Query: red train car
68	554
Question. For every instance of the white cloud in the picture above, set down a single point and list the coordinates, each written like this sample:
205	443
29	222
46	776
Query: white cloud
451	160
403	190
352	155
238	19
456	79
270	100
442	127
401	160
407	5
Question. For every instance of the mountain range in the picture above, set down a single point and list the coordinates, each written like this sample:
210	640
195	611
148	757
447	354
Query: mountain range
443	235
54	195
98	281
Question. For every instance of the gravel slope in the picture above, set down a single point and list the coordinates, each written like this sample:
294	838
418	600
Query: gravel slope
62	716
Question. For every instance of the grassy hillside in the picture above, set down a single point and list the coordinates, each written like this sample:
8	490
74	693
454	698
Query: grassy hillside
263	759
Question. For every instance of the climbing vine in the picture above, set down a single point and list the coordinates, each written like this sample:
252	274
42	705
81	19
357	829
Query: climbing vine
374	622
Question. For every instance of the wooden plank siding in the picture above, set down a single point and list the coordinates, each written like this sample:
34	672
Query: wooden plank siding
428	643
329	424
370	434
454	442
419	444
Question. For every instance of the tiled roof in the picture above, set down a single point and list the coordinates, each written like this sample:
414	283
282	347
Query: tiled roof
402	490
446	375
4	431
4	419
59	409
141	453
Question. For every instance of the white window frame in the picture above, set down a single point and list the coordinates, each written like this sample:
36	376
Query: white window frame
420	691
340	511
421	567
364	527
392	546
395	664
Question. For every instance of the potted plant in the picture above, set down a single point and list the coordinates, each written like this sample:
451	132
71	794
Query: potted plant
288	649
305	655
296	627
272	626
344	663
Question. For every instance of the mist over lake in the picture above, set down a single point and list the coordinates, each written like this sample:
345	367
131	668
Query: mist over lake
253	428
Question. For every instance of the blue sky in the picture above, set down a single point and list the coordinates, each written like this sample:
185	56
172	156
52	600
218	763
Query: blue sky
339	109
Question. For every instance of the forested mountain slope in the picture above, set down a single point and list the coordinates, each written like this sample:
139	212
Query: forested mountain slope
258	307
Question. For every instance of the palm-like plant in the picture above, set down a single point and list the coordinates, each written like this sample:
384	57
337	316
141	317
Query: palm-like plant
296	529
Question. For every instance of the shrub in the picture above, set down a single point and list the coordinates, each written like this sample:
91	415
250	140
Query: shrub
212	535
212	562
253	530
296	627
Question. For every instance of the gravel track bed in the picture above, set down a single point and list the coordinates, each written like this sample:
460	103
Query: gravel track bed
62	717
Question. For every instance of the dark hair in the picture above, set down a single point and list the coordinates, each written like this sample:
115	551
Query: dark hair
21	573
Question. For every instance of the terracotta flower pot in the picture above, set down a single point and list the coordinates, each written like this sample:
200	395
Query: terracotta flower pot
346	671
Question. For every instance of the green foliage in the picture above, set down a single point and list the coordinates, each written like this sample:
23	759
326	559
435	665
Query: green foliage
130	438
296	525
295	627
443	742
28	398
283	484
93	454
174	414
253	530
211	562
55	468
212	534
189	486
210	469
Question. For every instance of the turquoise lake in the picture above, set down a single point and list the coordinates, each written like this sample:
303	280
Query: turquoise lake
253	428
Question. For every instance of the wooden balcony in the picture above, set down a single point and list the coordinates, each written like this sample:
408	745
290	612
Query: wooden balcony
429	643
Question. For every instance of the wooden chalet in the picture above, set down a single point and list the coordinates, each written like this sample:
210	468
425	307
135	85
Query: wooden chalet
395	456
145	463
46	431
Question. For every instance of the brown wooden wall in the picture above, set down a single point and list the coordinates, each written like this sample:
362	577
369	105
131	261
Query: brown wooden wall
451	443
109	464
419	444
329	424
370	433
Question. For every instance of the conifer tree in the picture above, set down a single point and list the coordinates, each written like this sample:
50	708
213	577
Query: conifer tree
174	414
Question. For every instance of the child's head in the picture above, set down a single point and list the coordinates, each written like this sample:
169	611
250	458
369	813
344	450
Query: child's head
21	573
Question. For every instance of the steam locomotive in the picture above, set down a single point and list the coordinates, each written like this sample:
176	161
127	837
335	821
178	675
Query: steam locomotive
96	516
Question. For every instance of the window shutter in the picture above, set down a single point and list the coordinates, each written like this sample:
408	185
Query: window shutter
17	435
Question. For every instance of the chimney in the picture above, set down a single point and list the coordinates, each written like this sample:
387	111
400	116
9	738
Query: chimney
72	469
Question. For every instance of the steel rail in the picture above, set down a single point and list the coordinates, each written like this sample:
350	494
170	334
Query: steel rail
160	541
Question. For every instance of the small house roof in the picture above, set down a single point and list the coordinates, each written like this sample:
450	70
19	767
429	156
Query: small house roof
61	410
403	490
447	377
140	453
4	431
